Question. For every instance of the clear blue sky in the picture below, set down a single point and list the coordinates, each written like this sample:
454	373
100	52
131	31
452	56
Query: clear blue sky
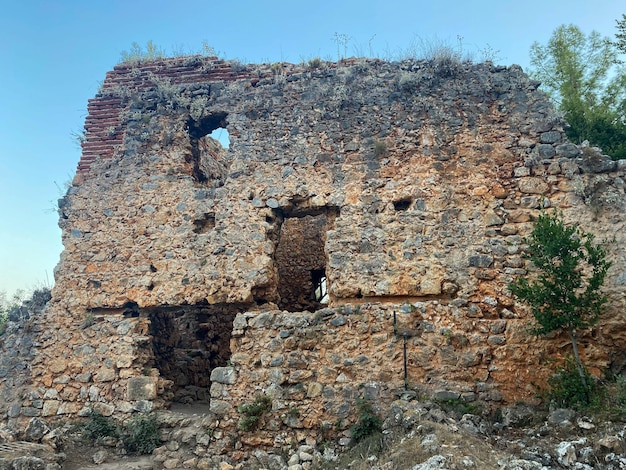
55	53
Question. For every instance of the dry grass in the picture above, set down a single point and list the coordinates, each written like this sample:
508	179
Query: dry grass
460	449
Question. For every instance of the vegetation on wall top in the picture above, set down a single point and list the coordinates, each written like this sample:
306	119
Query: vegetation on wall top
586	79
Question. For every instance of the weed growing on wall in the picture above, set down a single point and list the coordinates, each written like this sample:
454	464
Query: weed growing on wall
3	322
141	435
253	411
380	148
137	54
368	424
99	426
566	388
315	63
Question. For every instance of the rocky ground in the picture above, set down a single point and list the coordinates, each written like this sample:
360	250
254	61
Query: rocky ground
417	435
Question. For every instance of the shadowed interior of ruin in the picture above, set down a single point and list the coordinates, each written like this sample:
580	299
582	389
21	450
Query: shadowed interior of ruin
301	259
188	342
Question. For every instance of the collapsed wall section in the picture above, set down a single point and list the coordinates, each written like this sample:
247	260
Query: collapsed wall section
405	187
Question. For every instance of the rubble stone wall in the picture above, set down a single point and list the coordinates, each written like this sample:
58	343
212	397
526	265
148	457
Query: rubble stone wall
429	175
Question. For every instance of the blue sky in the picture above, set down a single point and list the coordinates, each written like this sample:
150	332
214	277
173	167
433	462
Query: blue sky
54	54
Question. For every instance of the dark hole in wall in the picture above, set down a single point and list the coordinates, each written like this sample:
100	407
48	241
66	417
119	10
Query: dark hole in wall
207	153
301	260
402	204
205	224
188	342
130	309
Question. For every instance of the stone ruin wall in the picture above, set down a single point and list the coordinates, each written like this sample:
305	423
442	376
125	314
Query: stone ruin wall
409	186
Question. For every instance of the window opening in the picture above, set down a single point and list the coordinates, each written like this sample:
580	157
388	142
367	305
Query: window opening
221	135
320	292
208	138
300	258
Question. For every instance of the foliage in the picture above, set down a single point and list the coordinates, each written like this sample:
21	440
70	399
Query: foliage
566	294
315	63
368	424
137	53
342	41
567	389
141	435
571	268
6	305
88	321
380	149
252	412
460	407
614	402
582	75
14	307
621	35
208	50
100	426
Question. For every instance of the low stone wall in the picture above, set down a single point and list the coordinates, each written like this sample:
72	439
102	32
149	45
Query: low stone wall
315	367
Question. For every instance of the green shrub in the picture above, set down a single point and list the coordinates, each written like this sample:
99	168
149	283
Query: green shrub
141	435
380	149
368	424
252	412
315	63
137	54
460	407
568	390
100	426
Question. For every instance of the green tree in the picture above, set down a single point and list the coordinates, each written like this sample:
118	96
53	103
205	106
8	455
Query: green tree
621	35
566	293
583	76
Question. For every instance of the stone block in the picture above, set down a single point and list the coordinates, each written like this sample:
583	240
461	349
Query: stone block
220	407
430	286
105	375
124	362
50	407
480	261
14	410
446	395
30	411
57	365
550	137
141	388
533	185
568	150
104	408
546	151
68	408
144	406
224	375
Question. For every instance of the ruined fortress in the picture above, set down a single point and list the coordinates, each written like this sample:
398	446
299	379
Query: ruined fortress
359	207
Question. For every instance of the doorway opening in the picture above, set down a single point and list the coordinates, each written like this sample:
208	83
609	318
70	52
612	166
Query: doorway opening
188	342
